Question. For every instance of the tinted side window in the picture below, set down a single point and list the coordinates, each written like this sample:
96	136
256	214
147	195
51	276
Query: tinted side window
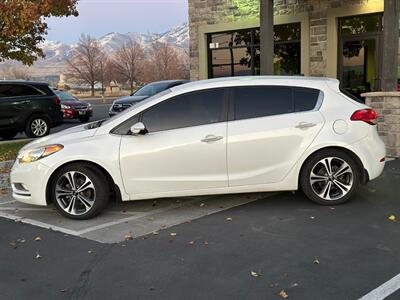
16	90
305	98
261	101
193	109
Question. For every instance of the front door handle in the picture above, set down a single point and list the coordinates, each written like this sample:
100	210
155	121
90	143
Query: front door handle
211	138
305	125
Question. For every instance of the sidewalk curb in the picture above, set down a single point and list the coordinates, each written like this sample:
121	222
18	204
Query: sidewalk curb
15	141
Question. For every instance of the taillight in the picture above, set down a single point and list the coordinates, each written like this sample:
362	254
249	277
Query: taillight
366	115
57	100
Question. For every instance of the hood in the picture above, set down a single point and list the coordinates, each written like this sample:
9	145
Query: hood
129	100
74	103
73	133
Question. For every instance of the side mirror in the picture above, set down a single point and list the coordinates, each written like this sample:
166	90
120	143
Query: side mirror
138	128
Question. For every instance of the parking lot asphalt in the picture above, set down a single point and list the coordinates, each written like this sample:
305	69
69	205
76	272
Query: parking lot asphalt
253	251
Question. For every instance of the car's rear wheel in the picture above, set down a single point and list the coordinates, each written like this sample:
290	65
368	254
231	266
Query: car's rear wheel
330	177
84	119
80	191
37	126
8	135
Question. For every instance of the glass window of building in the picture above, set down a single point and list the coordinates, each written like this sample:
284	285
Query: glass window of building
237	53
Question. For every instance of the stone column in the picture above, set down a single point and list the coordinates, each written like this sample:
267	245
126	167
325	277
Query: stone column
387	105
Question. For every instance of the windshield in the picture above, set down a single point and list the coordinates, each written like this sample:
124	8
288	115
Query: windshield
151	89
64	96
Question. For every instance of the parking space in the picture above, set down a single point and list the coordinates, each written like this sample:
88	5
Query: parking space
125	220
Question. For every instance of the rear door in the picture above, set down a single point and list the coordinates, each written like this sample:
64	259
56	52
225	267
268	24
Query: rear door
270	128
13	106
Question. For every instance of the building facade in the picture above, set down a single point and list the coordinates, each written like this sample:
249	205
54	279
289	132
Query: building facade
332	38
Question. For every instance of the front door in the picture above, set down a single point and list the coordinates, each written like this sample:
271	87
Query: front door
184	149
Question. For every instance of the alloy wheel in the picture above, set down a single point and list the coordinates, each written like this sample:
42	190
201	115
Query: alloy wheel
39	127
331	178
75	193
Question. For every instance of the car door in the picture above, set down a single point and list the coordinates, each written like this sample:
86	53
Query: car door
11	105
184	148
270	128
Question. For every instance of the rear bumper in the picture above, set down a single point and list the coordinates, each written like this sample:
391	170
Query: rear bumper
371	151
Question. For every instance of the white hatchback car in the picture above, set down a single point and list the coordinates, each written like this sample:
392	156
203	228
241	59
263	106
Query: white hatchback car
230	135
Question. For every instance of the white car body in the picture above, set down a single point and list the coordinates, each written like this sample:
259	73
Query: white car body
260	154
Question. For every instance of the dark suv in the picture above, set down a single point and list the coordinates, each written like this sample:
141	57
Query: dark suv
26	106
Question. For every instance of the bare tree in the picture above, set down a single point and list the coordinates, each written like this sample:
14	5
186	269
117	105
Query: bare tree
128	62
10	71
166	63
87	63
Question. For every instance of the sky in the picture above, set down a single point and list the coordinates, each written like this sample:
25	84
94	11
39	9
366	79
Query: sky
99	17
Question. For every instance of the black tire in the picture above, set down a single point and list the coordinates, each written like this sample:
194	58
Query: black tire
310	190
37	119
101	191
8	135
84	119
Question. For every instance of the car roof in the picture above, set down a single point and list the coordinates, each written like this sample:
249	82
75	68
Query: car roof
23	82
317	82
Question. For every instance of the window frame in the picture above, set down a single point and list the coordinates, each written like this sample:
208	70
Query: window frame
139	115
232	113
40	93
253	47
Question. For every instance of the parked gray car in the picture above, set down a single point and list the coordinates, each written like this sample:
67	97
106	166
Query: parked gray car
144	92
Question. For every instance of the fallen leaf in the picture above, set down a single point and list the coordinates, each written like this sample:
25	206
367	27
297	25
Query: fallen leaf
90	251
173	234
316	262
283	294
155	232
192	243
392	218
294	285
205	243
128	237
202	205
38	239
64	290
254	274
228	219
14	245
312	217
38	256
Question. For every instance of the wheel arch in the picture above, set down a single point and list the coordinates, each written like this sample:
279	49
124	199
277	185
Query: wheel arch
364	176
114	188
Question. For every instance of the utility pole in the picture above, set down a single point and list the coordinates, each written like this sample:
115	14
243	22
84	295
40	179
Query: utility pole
267	37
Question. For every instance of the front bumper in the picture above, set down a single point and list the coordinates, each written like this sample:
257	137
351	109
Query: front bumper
29	181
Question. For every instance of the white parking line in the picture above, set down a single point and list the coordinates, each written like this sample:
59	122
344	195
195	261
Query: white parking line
385	290
38	223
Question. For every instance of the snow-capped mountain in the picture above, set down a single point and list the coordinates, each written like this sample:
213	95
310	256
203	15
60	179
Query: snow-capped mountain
57	52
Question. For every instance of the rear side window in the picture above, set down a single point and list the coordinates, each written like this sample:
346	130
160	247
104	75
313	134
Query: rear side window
305	98
193	109
17	90
262	101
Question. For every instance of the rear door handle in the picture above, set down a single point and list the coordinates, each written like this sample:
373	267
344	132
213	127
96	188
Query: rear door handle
305	125
211	138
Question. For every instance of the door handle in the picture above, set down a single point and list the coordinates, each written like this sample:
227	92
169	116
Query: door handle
305	125
211	138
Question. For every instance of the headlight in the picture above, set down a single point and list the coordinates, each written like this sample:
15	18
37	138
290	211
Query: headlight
63	106
31	155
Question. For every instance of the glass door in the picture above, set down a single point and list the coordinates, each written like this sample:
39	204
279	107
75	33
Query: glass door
358	53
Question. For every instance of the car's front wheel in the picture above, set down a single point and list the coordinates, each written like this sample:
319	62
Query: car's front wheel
330	177
80	191
37	126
